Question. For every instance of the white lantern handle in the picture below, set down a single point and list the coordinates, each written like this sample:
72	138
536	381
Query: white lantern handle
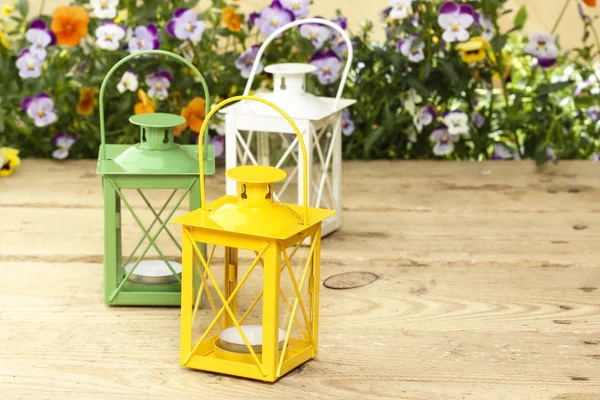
292	24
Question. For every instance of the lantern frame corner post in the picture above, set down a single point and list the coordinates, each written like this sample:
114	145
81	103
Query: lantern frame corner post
314	287
307	129
112	237
271	293
194	204
187	293
337	171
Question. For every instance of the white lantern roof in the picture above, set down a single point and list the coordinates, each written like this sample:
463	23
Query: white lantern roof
290	95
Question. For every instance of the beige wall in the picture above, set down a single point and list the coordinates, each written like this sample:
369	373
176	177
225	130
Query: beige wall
542	14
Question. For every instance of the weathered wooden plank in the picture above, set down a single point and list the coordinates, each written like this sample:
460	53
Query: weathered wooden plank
374	186
63	234
420	332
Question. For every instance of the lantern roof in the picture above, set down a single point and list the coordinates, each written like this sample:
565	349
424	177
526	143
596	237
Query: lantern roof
262	218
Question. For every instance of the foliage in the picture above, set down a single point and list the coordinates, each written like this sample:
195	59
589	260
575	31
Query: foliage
422	93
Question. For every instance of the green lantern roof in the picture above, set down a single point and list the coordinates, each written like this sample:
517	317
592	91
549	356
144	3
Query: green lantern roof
156	153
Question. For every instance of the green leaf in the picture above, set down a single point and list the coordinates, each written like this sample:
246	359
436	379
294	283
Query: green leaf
23	7
521	17
498	43
373	138
553	87
449	70
417	85
388	118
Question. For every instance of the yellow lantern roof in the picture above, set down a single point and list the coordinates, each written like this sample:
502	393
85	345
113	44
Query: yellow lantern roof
253	211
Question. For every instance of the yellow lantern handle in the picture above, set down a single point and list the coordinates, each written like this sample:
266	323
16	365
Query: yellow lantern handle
285	116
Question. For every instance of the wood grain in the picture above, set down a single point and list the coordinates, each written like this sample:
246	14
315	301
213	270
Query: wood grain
481	293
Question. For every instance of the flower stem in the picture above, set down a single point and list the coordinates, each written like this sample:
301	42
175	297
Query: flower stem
42	5
595	32
560	16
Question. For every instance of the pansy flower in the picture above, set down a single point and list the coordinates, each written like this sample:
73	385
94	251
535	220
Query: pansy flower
487	26
342	22
593	113
158	84
425	116
218	142
348	126
457	122
596	157
474	50
9	160
400	9
145	106
194	114
144	38
40	108
245	61
444	141
551	155
63	142
328	66
477	119
341	49
412	48
29	65
455	20
69	24
87	100
109	34
543	46
584	85
129	81
318	34
40	37
186	26
273	17
105	9
231	19
412	98
501	152
253	17
298	7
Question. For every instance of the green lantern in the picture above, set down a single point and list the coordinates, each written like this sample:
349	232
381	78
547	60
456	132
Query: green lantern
156	162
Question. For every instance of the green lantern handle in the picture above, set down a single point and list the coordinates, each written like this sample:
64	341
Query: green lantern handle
286	117
137	54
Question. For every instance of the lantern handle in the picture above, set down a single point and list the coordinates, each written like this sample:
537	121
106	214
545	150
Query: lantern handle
137	54
292	24
285	116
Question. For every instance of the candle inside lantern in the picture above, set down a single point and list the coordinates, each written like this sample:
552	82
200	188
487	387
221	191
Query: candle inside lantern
231	340
153	272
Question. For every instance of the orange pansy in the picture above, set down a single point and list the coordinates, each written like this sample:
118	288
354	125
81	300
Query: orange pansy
87	101
232	20
590	3
194	114
69	24
145	106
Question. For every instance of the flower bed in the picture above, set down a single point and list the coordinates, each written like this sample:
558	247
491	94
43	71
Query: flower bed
445	83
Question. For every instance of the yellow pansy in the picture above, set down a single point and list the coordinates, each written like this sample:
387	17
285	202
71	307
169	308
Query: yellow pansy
9	160
7	9
474	50
4	40
121	16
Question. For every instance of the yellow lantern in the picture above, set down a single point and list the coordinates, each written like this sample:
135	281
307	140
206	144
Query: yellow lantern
284	333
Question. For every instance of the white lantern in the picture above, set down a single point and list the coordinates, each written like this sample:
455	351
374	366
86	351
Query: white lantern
318	118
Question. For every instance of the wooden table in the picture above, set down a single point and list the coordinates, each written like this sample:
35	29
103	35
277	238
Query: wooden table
487	288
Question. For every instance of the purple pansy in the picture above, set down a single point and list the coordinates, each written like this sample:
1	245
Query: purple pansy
29	65
318	34
158	83
457	122
455	20
298	7
593	113
477	119
596	157
219	142
543	47
40	108
245	61
383	14
328	66
109	35
64	143
186	26
551	155
414	51
444	141
40	37
501	152
348	126
253	17
342	22
487	26
425	116
274	17
341	49
144	38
